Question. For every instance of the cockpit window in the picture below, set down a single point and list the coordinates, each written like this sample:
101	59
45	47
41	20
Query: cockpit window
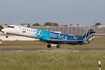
10	26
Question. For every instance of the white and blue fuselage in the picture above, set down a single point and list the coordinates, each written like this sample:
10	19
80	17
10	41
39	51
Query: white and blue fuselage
47	36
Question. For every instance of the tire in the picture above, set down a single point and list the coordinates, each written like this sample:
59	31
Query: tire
48	46
58	46
6	36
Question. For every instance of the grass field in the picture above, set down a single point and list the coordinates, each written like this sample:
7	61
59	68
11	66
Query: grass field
51	59
98	40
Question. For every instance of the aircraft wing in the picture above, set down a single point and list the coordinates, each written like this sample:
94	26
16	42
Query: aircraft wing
55	40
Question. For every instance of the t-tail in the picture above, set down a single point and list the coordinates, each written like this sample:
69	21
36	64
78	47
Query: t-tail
87	35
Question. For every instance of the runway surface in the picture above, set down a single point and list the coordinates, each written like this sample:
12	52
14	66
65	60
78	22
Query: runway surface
36	49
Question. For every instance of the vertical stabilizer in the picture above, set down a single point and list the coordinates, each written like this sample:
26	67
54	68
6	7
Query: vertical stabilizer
87	35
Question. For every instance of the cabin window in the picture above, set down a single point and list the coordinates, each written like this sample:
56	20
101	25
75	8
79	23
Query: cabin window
10	26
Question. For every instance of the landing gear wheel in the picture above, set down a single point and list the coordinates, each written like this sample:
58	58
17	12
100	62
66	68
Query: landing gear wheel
58	46
48	46
6	36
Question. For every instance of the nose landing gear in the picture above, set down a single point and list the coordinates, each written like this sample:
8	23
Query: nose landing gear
6	36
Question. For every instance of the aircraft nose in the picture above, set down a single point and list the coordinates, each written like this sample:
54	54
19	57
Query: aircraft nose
3	30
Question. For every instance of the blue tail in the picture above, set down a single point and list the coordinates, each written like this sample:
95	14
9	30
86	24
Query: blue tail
87	35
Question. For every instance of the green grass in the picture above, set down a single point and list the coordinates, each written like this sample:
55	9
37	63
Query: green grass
23	44
98	40
52	60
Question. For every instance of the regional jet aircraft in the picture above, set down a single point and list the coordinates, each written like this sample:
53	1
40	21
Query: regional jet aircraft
49	37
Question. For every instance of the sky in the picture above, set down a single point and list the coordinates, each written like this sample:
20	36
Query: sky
63	12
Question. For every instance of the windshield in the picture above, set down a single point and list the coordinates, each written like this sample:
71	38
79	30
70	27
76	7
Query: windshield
10	26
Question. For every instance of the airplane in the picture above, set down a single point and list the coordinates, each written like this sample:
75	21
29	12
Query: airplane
47	36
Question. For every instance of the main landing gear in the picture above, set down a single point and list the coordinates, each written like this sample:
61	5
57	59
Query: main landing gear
58	46
49	46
